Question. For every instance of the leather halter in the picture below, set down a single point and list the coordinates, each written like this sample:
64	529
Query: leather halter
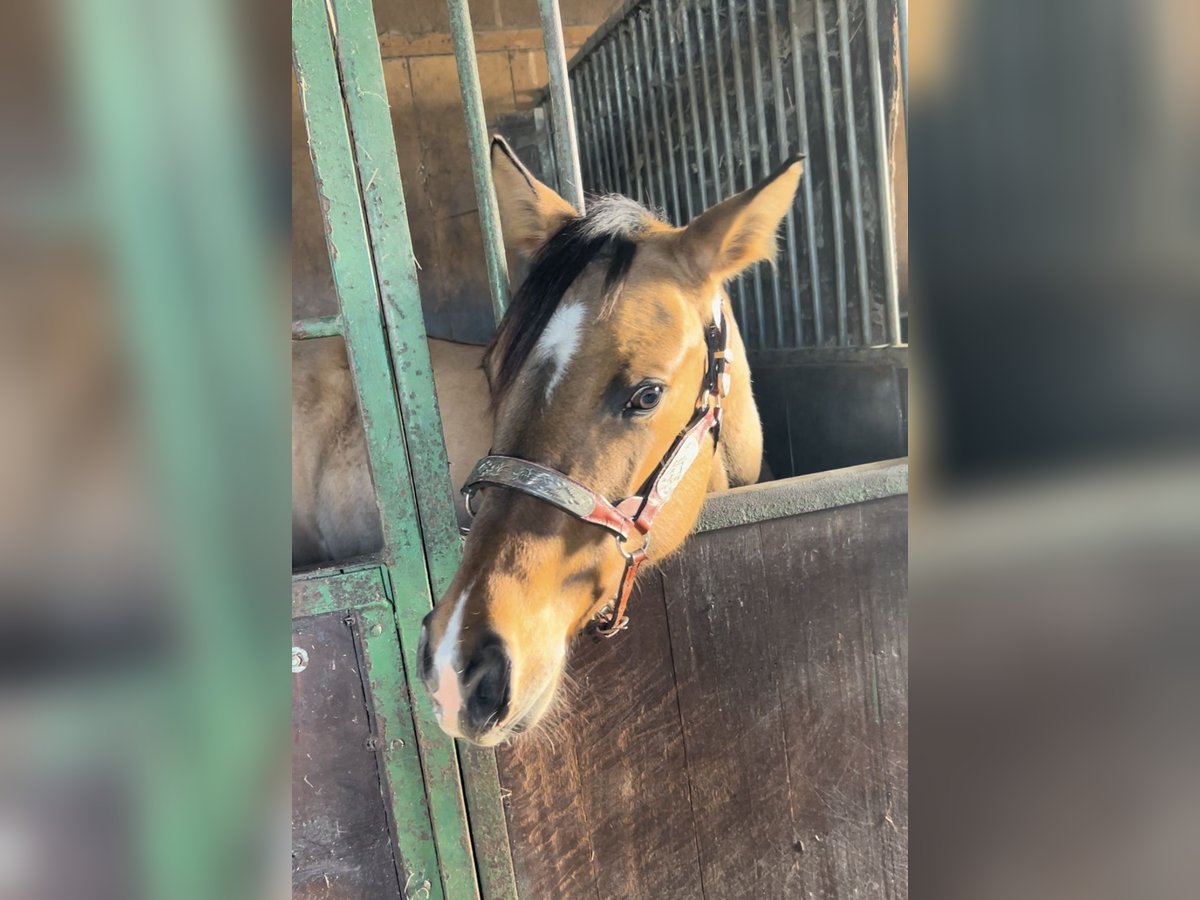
636	513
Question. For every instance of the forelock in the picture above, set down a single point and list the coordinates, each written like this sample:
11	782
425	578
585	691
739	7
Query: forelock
608	231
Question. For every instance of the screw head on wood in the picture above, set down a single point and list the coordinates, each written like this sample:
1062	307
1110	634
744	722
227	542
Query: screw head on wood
299	660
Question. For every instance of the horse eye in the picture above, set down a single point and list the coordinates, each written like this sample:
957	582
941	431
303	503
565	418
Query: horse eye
645	398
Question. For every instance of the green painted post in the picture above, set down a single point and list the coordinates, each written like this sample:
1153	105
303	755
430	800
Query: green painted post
319	327
357	48
480	147
355	279
188	735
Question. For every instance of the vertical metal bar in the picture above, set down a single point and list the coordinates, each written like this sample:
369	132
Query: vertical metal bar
902	27
688	57
809	223
678	84
764	155
887	212
592	179
477	142
655	134
675	207
722	96
860	241
595	112
738	294
357	48
639	172
562	112
709	118
758	336
355	279
620	165
632	54
586	145
835	192
620	88
781	130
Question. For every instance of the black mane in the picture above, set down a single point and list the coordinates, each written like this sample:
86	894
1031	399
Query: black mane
606	232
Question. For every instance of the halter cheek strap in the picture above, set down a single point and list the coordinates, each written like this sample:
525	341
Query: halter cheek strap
636	513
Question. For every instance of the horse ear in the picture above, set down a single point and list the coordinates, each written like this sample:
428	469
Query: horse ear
728	237
529	211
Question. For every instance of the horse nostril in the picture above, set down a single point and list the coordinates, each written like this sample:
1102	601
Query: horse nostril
487	680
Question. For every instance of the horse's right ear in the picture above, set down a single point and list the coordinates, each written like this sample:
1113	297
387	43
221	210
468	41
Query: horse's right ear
529	211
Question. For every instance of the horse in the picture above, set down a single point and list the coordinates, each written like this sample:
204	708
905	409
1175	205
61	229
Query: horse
618	371
334	516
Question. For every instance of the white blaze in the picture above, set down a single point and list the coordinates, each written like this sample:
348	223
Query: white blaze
559	342
445	660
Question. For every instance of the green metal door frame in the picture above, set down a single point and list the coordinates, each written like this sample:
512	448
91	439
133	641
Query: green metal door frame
449	823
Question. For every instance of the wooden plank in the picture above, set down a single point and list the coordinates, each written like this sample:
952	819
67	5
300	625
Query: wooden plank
844	695
726	661
598	804
394	45
341	846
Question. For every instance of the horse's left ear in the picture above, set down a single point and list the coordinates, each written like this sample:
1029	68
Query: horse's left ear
724	240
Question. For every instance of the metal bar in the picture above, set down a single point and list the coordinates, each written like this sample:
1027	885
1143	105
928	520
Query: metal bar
374	145
603	124
835	192
632	52
587	72
782	131
860	241
397	746
639	173
757	336
695	110
709	118
316	594
738	294
587	142
675	207
655	134
562	112
617	185
683	155
365	92
722	97
809	222
478	144
354	276
317	327
902	27
887	217
764	160
621	131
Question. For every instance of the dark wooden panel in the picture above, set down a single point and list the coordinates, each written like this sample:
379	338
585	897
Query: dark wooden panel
341	845
726	659
598	803
747	736
841	613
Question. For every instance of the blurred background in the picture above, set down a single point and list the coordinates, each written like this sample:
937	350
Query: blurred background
1055	271
1055	220
143	449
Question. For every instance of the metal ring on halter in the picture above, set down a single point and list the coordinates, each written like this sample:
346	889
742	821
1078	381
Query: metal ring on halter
469	494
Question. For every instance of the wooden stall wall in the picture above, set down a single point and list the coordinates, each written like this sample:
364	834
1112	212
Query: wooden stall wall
747	737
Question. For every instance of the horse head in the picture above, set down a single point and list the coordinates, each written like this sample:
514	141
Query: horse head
619	385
